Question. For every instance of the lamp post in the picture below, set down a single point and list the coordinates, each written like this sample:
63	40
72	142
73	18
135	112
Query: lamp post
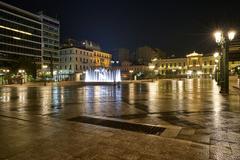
151	67
131	72
22	73
223	42
216	55
44	68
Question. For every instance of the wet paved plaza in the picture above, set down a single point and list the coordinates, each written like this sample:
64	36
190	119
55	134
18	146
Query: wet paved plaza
195	121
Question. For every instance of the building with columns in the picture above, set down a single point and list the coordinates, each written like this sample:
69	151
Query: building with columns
193	65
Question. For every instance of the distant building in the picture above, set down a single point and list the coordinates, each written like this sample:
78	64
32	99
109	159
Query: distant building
234	49
145	54
70	43
121	54
75	61
90	45
193	65
85	44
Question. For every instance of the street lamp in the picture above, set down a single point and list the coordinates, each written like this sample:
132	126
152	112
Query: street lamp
216	56
151	67
21	72
131	72
223	42
44	67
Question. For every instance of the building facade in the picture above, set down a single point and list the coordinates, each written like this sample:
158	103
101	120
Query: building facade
20	35
51	42
193	65
75	61
27	35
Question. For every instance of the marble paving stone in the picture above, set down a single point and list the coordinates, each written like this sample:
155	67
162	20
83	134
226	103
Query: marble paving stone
170	133
187	131
200	123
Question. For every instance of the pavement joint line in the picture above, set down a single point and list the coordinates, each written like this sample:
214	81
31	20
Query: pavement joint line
15	118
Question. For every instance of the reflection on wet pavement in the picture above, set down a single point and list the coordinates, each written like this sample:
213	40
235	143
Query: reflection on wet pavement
190	110
186	103
191	95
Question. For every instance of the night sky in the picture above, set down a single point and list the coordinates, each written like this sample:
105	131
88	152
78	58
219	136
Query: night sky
177	27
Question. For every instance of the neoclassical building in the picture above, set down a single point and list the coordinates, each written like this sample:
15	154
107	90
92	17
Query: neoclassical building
193	65
74	61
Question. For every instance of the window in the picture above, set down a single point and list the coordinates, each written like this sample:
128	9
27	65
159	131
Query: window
205	63
175	64
210	62
76	59
70	59
65	59
76	67
70	66
170	64
162	65
194	62
184	64
65	67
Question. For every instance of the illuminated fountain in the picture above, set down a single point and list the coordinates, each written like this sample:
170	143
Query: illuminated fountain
103	75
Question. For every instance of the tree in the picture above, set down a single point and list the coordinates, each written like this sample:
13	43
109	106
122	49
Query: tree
26	63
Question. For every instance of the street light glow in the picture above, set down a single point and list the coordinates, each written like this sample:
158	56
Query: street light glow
151	67
218	36
189	72
216	54
155	59
44	66
199	72
231	35
131	71
21	71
